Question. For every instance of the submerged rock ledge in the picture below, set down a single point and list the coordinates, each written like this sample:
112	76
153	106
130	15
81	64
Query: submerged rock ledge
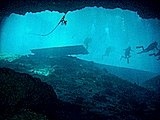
82	92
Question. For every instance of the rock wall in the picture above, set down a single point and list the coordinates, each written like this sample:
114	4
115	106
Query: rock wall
145	8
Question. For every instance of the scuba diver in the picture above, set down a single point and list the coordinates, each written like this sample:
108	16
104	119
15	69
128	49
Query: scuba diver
87	41
127	54
63	21
152	46
156	54
107	51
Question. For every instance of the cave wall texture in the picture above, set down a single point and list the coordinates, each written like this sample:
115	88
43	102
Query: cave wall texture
145	8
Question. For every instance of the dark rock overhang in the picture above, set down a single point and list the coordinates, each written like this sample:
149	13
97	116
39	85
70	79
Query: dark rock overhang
145	8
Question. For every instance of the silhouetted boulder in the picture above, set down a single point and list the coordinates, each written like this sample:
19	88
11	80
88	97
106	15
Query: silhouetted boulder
19	90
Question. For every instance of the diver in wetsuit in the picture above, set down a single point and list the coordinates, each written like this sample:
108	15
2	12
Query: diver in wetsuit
152	46
87	41
63	21
127	54
107	51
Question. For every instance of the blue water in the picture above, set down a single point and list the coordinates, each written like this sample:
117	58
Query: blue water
115	29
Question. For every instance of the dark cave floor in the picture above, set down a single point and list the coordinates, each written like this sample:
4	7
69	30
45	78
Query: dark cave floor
96	92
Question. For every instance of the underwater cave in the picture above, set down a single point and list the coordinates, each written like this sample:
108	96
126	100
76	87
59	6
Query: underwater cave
107	32
79	60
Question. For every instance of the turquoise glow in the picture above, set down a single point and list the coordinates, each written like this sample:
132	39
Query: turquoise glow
107	28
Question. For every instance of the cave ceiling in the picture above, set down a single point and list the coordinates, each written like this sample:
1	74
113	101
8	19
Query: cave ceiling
144	8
